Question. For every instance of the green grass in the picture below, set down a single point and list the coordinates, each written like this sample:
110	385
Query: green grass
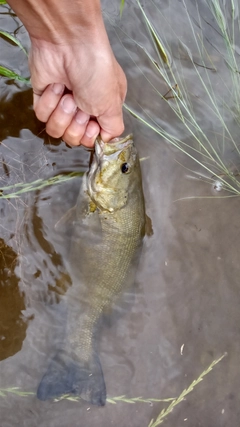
6	72
13	39
122	6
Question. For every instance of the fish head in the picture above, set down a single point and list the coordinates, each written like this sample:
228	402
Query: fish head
113	173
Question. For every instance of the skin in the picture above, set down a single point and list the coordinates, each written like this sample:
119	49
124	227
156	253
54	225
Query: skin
70	49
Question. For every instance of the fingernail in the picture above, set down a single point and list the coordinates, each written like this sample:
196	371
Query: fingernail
68	105
81	117
58	88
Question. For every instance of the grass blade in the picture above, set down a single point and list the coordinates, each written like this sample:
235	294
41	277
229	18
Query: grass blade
155	37
12	75
5	192
163	414
14	40
121	7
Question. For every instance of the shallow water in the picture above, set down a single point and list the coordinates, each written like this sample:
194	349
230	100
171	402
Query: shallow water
185	307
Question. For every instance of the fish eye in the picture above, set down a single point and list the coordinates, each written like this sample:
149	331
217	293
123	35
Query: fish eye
125	168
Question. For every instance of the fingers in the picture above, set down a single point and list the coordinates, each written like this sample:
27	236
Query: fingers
98	88
73	125
81	130
75	131
44	104
63	118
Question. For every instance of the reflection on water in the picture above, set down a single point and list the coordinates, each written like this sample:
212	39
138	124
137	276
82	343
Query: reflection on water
186	307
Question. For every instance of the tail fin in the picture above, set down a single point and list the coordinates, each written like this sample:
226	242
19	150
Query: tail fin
65	376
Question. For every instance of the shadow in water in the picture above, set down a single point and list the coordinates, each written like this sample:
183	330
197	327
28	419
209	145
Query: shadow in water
17	109
17	113
13	325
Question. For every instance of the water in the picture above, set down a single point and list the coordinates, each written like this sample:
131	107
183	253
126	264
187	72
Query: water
187	289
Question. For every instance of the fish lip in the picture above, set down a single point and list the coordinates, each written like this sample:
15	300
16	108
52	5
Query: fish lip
117	143
121	140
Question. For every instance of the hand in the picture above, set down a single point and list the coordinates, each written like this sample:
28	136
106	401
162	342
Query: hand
97	84
70	49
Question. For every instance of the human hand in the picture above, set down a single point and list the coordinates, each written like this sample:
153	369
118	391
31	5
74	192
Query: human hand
97	84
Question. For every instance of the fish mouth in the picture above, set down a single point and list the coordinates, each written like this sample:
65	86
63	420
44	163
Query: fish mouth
111	147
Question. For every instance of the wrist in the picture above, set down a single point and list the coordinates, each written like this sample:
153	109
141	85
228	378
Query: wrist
57	22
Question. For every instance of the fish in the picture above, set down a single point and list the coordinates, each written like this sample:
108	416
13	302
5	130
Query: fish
108	230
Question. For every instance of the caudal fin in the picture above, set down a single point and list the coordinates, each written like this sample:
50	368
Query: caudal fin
67	376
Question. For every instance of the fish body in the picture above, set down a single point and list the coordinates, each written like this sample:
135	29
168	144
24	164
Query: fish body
108	230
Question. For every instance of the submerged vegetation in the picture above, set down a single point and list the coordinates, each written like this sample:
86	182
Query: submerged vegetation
5	392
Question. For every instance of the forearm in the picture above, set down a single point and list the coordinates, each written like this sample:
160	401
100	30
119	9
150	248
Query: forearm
60	21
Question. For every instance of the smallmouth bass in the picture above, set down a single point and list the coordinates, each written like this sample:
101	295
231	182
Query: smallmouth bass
109	226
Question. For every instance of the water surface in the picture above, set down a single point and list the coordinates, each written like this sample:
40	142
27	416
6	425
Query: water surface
185	307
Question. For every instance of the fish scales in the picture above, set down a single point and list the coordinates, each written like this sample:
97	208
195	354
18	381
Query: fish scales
108	231
112	279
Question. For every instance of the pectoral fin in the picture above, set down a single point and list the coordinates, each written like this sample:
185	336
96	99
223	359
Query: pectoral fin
67	218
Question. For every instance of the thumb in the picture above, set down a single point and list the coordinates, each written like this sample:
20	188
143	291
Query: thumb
111	126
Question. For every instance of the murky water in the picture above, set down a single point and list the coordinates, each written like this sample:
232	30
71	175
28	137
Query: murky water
185	310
